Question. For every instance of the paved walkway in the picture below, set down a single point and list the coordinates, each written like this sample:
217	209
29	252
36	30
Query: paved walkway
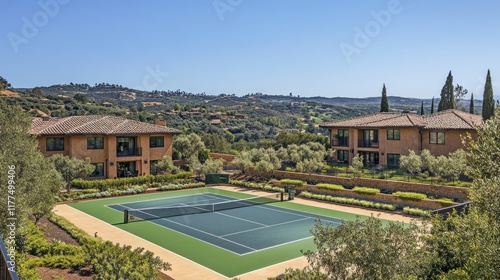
184	269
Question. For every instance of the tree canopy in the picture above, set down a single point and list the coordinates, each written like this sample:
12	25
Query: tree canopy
384	103
447	100
488	100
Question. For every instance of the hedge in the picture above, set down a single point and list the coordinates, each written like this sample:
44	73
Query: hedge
417	212
365	190
445	201
171	187
297	183
332	187
121	183
259	186
350	201
410	195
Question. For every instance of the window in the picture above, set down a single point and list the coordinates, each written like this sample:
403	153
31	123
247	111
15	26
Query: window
343	156
55	144
436	137
393	134
342	137
99	170
393	160
156	141
95	143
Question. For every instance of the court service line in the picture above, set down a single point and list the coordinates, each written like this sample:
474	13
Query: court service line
238	218
291	212
266	226
207	233
165	198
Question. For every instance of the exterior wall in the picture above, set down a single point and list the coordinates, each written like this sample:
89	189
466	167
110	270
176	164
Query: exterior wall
409	140
76	146
226	157
452	141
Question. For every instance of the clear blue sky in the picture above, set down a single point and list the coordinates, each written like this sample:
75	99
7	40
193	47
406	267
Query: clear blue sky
310	48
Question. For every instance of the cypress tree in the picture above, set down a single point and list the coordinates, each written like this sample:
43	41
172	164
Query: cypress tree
384	103
432	105
471	106
422	109
488	101
447	100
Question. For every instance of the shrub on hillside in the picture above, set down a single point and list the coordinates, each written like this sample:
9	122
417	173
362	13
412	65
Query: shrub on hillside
297	183
365	190
410	195
417	212
445	201
259	186
349	201
124	183
332	187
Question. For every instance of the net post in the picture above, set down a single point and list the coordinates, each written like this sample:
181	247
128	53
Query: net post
281	196
125	216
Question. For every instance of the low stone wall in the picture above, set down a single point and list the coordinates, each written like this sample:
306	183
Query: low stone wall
226	157
385	185
382	198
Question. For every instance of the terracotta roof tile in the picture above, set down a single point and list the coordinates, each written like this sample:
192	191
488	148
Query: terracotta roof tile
449	119
102	125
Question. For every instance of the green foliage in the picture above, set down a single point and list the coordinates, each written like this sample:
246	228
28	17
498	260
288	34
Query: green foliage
432	105
25	270
349	201
263	160
365	190
71	168
171	187
411	163
471	105
447	100
445	201
125	183
110	261
210	166
188	146
384	103
332	187
4	84
297	183
356	165
368	249
259	186
166	165
488	100
74	231
416	212
300	274
410	195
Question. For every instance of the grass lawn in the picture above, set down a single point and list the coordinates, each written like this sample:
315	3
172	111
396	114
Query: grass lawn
217	259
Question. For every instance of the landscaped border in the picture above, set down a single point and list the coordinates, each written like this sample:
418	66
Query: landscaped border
219	260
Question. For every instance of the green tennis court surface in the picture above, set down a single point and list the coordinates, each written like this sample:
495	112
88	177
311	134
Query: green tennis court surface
230	242
245	227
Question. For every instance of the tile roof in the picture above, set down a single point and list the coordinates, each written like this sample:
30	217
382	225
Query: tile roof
449	119
93	124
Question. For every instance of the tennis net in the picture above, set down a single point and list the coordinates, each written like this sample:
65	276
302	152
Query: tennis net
190	209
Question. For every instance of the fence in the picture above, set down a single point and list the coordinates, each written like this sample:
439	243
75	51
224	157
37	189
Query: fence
6	267
446	211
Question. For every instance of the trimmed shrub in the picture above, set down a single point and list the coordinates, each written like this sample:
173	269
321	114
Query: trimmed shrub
297	183
171	187
258	186
445	201
417	212
124	183
77	233
350	201
365	190
331	187
410	195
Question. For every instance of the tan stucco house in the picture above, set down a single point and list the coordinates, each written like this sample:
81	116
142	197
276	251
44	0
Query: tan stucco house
118	147
382	138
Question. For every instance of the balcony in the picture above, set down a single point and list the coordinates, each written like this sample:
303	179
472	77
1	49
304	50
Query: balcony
367	143
342	142
127	152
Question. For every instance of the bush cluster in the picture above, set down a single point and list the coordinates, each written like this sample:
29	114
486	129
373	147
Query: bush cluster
445	201
417	212
124	183
410	195
297	183
350	201
259	186
331	187
132	190
171	187
365	190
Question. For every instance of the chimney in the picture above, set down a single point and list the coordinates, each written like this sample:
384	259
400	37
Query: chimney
160	122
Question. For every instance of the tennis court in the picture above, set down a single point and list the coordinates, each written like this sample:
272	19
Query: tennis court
239	226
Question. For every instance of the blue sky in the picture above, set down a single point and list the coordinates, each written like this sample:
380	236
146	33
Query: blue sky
309	48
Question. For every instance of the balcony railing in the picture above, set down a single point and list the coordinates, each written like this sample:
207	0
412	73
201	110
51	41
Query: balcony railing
127	152
343	142
367	143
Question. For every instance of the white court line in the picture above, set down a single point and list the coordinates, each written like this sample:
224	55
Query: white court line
267	226
248	221
165	198
304	216
200	231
